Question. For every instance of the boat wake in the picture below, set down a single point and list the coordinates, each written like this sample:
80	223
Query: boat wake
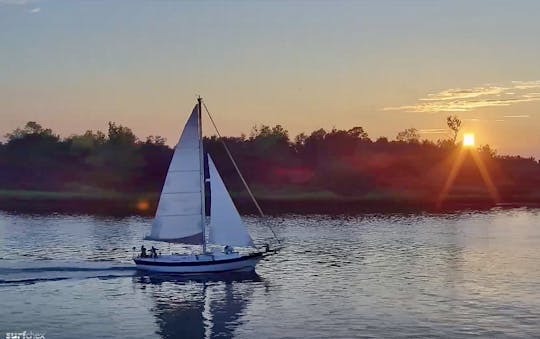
49	270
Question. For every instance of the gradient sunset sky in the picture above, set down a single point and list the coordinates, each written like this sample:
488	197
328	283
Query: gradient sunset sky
383	65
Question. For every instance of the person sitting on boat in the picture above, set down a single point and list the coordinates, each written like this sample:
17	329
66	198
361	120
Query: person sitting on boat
153	252
143	251
228	249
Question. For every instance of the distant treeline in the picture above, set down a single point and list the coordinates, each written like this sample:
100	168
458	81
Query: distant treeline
322	165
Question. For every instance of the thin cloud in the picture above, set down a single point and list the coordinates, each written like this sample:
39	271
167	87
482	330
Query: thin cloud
434	131
35	10
468	99
456	93
526	84
516	116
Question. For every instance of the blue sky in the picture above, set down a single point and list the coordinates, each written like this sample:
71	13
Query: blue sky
383	65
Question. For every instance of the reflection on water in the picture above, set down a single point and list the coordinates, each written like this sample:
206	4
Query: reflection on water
398	275
198	306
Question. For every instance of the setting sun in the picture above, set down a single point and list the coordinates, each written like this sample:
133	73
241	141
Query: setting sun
468	140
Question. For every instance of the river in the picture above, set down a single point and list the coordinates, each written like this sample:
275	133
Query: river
449	275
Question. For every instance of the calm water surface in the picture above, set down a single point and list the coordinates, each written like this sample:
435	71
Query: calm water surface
422	275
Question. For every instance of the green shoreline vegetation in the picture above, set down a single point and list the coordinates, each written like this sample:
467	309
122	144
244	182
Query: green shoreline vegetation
337	170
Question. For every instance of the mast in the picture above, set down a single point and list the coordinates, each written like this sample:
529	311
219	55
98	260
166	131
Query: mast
203	190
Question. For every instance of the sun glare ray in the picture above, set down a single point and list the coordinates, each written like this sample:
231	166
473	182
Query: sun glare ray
468	143
486	177
451	177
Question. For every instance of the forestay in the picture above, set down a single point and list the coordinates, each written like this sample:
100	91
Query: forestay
178	216
226	226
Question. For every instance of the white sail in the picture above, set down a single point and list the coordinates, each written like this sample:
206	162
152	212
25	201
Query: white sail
226	226
178	216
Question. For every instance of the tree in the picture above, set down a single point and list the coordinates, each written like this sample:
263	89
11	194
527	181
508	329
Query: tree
358	132
31	127
267	137
120	135
319	135
266	132
409	135
271	142
86	143
487	151
454	123
446	144
300	141
156	140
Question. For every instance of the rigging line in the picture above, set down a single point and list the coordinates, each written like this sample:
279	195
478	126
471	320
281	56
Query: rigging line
234	163
238	170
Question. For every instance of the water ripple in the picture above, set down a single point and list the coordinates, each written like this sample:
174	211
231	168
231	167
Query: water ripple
419	275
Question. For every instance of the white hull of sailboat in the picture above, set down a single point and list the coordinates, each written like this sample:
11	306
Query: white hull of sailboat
199	264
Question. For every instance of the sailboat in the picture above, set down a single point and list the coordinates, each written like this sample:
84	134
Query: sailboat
180	215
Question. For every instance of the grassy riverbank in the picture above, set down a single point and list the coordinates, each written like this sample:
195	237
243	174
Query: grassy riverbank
280	202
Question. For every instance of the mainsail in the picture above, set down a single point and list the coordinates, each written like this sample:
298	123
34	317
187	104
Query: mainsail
179	212
226	226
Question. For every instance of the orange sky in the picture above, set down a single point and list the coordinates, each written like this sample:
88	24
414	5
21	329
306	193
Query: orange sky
384	65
